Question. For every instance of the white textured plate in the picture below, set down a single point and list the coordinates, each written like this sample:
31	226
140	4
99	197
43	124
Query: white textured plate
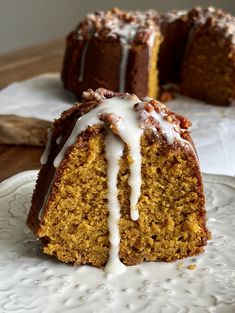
33	282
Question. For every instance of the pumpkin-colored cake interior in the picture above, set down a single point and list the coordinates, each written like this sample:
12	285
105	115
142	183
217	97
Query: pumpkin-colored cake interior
74	227
153	86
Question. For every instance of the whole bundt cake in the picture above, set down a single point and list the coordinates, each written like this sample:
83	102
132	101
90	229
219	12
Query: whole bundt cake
136	51
120	184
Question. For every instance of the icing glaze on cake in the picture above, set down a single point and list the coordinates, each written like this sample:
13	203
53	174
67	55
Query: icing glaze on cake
44	157
81	209
125	118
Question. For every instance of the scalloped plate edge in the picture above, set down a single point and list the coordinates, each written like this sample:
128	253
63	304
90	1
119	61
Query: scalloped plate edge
217	178
12	183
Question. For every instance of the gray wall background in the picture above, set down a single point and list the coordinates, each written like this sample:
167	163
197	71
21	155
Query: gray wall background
27	22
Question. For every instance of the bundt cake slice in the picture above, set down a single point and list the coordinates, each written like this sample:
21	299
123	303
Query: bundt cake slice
120	184
120	47
208	71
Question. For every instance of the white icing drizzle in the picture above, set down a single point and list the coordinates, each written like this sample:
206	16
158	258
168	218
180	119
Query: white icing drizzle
151	41
123	66
167	128
229	29
81	124
41	212
44	157
126	33
45	154
129	126
113	151
58	140
83	57
173	15
131	135
222	21
128	130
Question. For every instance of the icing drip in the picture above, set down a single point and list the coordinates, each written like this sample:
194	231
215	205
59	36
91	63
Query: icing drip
81	125
41	212
83	57
174	15
126	33
151	41
123	66
129	132
113	151
58	140
44	157
131	136
168	129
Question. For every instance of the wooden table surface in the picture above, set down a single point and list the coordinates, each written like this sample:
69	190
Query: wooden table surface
17	66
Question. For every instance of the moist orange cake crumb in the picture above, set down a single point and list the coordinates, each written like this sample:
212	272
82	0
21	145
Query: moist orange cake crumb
71	203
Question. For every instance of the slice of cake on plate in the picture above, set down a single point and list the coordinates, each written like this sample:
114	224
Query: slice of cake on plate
120	184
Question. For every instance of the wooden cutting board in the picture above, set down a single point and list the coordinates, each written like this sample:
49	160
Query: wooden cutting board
17	130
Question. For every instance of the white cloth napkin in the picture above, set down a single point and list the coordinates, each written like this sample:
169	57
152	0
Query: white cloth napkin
41	97
213	129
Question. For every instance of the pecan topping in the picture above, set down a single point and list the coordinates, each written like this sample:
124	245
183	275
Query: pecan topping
112	120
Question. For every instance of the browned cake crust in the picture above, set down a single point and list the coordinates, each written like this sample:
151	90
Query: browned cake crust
188	45
172	220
